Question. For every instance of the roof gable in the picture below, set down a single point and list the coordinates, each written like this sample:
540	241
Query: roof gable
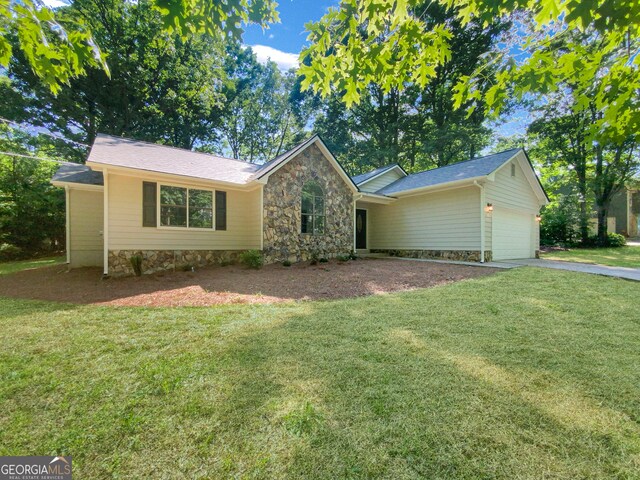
274	165
368	176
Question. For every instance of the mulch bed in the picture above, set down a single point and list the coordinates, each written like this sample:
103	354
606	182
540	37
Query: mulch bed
234	284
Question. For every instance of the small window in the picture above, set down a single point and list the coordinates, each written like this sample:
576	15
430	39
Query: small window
173	206
221	210
513	169
149	204
313	218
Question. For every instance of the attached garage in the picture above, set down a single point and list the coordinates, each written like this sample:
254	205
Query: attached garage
513	234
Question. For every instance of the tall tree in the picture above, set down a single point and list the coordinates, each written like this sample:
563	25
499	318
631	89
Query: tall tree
418	126
260	118
162	88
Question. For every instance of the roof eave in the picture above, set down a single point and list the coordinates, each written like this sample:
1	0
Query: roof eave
143	172
439	186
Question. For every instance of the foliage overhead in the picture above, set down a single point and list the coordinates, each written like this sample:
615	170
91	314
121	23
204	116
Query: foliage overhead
388	43
59	48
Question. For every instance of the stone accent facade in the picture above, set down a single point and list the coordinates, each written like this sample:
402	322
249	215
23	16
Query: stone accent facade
158	260
458	255
282	210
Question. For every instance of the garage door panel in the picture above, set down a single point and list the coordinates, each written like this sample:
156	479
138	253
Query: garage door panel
512	234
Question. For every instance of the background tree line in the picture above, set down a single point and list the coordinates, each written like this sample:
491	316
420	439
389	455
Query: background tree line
208	92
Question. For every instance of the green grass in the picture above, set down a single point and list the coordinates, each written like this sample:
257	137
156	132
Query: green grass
529	373
616	257
12	267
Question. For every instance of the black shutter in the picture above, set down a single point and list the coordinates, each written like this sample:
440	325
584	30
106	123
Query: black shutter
221	210
149	204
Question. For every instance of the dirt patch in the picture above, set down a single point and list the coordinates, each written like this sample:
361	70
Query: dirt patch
234	284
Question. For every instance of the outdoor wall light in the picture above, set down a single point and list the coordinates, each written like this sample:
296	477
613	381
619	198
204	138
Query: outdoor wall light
538	218
489	207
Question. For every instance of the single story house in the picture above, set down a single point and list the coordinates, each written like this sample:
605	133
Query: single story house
176	207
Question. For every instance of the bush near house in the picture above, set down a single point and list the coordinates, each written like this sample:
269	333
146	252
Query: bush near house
252	259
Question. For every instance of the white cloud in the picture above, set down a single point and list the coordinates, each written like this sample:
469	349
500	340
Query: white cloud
56	3
284	60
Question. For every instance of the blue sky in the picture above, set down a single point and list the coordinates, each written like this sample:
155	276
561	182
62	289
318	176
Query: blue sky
288	36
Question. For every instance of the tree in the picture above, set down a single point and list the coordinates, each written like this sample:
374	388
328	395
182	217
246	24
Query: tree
162	88
388	43
59	48
259	118
31	209
416	126
562	135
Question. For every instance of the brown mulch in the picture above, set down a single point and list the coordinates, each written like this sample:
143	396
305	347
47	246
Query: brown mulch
234	284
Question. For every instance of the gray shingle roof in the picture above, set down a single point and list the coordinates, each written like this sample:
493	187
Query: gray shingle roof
477	167
77	173
363	177
123	152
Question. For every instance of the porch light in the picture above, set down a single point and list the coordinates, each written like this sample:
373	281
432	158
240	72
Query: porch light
538	218
489	207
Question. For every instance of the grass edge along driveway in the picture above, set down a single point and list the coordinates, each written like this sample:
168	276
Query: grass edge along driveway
523	374
628	256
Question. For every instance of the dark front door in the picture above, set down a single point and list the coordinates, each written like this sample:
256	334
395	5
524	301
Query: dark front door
361	228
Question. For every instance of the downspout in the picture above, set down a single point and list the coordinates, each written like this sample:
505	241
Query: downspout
67	197
482	219
105	228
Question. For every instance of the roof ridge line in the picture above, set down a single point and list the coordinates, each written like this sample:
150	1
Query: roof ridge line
178	148
466	161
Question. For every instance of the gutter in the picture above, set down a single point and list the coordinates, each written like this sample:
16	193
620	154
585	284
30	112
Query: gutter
482	219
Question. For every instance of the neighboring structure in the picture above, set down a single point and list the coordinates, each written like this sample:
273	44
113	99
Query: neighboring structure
177	207
624	213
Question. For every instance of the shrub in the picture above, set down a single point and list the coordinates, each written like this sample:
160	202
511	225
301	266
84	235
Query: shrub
560	223
324	260
9	252
353	255
252	259
314	258
188	267
613	240
616	240
136	263
286	263
343	258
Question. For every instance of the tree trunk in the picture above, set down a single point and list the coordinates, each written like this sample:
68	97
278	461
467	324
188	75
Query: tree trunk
602	225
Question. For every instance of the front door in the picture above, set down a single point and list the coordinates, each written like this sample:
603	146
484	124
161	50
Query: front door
361	229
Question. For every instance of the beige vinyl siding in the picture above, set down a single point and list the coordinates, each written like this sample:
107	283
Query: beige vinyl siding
381	181
85	228
448	220
127	233
514	194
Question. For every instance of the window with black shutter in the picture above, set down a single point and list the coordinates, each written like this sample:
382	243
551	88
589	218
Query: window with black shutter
221	210
149	204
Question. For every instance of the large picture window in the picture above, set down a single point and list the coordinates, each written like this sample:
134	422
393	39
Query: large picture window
188	207
313	218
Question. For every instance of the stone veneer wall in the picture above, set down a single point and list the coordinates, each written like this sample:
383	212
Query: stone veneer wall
282	210
157	260
458	255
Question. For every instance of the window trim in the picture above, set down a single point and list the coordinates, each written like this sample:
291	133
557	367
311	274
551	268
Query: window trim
314	215
187	227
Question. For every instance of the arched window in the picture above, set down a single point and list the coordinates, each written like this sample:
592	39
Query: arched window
312	209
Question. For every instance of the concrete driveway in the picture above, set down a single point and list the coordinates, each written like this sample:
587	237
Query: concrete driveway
619	272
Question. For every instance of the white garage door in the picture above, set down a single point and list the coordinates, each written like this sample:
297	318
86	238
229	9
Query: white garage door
512	235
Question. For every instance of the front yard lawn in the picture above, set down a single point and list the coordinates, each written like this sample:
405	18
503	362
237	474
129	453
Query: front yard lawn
19	265
528	373
615	257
